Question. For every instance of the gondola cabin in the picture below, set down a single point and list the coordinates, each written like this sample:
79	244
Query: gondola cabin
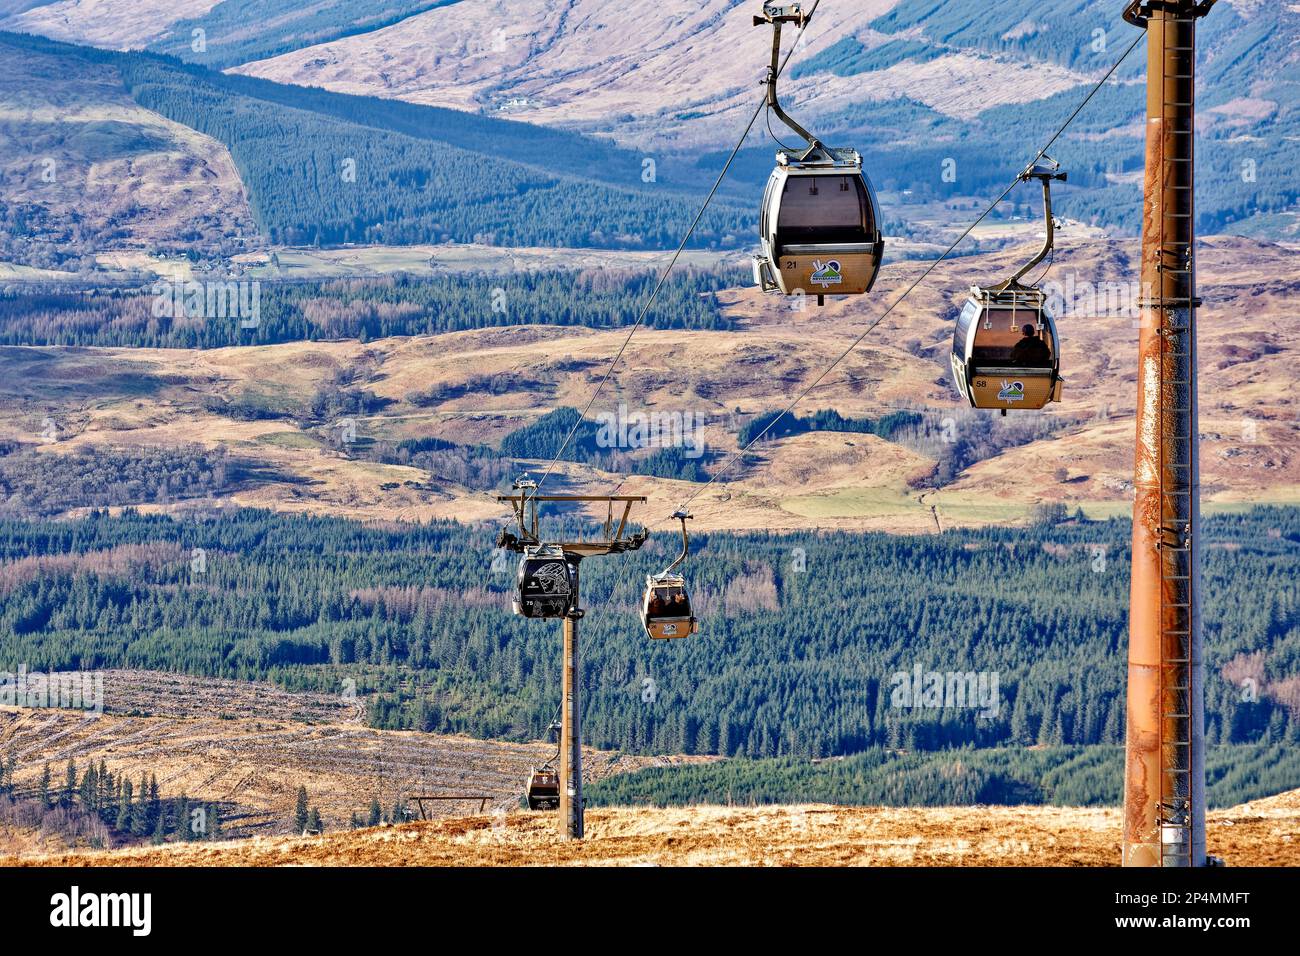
666	610
544	587
542	789
820	227
1005	351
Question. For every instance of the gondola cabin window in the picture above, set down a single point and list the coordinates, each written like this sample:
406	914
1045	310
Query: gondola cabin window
1012	338
968	316
824	209
669	602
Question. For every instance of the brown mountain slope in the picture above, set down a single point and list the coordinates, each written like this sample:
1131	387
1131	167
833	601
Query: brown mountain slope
1250	414
90	169
738	836
586	62
116	24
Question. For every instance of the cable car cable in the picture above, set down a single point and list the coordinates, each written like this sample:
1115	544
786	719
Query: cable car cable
654	294
910	289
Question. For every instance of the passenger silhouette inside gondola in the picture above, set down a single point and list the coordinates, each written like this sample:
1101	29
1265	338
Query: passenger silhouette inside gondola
1031	351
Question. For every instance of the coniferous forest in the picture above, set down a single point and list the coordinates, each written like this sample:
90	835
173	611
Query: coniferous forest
1065	776
98	806
803	639
368	309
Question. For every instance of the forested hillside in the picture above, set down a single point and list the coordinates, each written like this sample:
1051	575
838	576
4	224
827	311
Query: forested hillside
1059	776
325	169
367	309
1239	180
945	99
802	639
313	178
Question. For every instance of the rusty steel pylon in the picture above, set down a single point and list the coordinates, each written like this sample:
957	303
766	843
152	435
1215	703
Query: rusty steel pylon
1164	774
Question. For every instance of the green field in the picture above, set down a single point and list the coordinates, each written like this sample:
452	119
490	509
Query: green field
289	440
853	503
963	507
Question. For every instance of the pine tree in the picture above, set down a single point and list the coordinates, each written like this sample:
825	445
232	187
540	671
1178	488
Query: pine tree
90	790
140	809
1057	737
123	821
69	784
155	804
1113	733
300	811
1276	726
105	796
314	822
183	818
376	815
43	788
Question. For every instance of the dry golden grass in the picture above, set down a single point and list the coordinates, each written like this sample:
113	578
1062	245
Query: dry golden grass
250	746
738	836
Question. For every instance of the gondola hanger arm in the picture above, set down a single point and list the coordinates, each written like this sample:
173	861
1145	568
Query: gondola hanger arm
777	15
1046	170
667	271
682	516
